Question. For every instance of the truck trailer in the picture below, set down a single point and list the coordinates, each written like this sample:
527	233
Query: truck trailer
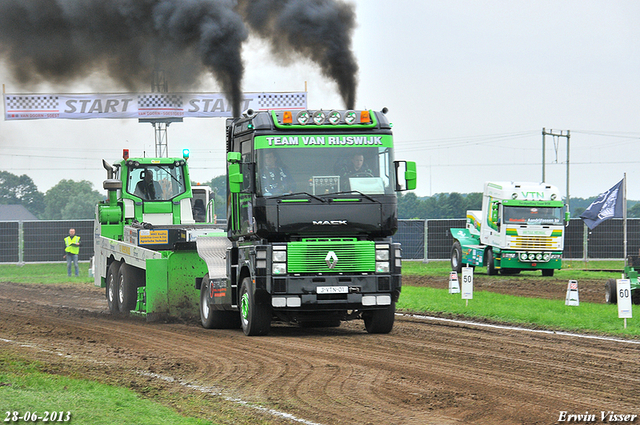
311	208
520	227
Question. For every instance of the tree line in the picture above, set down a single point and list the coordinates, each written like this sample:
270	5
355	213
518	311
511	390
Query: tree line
72	200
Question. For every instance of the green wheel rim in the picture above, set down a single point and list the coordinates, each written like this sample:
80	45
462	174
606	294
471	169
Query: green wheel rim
244	306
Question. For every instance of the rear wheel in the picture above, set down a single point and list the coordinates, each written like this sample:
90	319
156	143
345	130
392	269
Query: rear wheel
255	317
456	257
380	321
610	292
491	264
112	287
210	317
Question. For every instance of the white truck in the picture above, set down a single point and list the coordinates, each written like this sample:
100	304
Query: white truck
520	227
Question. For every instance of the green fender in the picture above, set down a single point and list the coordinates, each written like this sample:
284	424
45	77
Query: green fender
464	237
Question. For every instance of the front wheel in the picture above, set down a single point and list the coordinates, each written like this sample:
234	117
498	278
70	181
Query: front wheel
380	321
611	292
255	317
456	257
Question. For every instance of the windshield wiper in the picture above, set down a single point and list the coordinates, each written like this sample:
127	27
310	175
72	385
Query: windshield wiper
355	191
300	193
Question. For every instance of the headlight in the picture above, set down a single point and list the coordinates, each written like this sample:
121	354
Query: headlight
334	117
279	268
538	256
279	256
382	266
319	117
523	256
302	117
382	255
350	117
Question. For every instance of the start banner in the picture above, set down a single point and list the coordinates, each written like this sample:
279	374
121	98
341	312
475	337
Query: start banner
142	105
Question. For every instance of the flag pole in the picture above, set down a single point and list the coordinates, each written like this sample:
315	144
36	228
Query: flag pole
624	216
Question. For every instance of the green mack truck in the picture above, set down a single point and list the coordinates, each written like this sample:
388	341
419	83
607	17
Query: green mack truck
520	227
311	210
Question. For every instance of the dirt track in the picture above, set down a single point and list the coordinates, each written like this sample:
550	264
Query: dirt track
424	372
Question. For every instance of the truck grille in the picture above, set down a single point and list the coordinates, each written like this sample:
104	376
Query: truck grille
313	256
533	242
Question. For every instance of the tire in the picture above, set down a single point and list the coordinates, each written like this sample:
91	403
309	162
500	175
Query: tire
456	257
547	272
128	282
491	265
212	318
611	292
380	321
112	287
255	318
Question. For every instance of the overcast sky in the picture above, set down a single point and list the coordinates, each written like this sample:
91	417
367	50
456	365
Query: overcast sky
469	86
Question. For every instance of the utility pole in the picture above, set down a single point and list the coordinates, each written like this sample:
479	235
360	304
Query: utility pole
557	134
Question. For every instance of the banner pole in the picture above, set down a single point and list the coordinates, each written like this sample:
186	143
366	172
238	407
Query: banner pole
624	216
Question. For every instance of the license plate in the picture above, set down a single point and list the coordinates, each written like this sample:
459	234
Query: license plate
332	289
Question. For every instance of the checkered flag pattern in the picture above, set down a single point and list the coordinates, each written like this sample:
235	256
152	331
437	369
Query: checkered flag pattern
282	100
154	101
31	103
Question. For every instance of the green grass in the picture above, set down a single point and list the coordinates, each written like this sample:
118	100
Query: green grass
24	387
570	269
43	273
536	312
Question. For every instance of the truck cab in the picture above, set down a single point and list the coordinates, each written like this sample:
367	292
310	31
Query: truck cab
310	230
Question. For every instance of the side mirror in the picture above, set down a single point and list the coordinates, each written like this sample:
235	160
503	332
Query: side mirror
234	172
410	175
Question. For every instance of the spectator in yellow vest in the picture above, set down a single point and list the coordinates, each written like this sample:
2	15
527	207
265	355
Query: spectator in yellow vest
71	250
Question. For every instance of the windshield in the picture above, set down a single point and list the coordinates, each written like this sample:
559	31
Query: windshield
321	171
533	215
156	182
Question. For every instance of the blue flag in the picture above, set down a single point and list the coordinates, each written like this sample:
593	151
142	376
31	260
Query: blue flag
607	205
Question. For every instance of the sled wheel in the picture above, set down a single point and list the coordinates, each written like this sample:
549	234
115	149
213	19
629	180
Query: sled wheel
128	282
112	287
610	292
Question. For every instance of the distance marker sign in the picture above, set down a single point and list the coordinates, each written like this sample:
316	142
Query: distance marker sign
467	283
624	298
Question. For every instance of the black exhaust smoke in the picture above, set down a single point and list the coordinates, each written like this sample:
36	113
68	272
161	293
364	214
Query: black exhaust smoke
60	41
319	30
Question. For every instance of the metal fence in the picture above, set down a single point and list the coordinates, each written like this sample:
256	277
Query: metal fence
43	241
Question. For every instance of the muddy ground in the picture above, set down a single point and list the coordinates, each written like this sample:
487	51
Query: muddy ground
423	372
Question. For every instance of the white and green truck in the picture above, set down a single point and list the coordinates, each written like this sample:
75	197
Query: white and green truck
520	227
